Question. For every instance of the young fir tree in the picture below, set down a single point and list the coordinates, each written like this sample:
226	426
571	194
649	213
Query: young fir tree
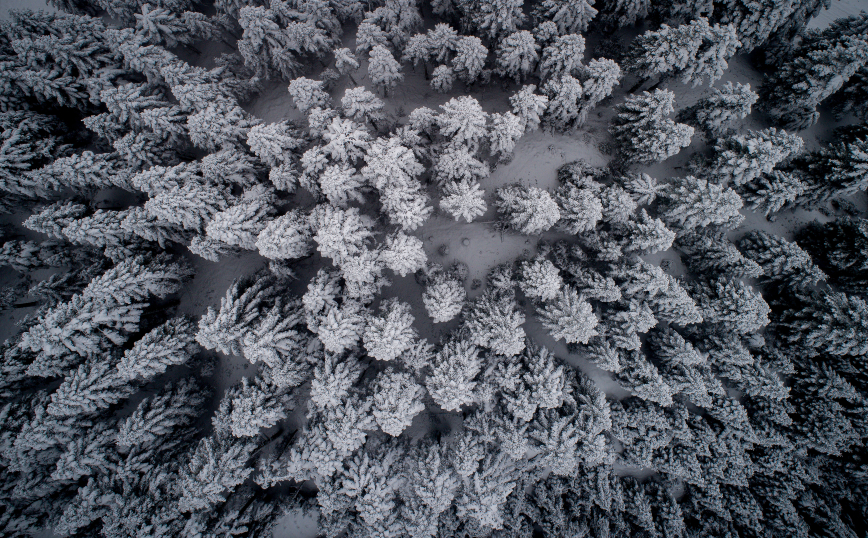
570	17
384	70
569	317
771	192
695	203
451	383
740	159
819	67
397	398
781	260
644	131
528	210
529	107
170	344
517	55
726	105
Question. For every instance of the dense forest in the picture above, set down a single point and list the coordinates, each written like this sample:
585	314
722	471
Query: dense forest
600	286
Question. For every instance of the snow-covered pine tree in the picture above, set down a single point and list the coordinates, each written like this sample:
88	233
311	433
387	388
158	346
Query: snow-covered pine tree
564	95
451	383
580	209
492	18
755	23
216	467
463	199
771	192
563	56
642	187
272	142
713	253
540	279
644	131
570	16
442	79
462	121
506	129
444	297
568	317
340	327
643	379
528	210
741	158
624	13
307	94
718	112
159	26
397	398
493	321
782	261
732	305
646	235
240	224
391	333
599	78
517	55
266	47
224	329
529	107
286	237
469	60
404	254
416	51
838	170
191	205
691	203
384	70
459	163
169	344
103	230
831	323
339	233
618	205
362	105
816	69
249	407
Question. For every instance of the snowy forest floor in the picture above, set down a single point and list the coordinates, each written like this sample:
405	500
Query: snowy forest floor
478	245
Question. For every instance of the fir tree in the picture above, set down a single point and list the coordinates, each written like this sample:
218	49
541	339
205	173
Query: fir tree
463	199
506	129
529	107
564	95
169	344
839	170
569	317
225	329
494	321
528	210
391	333
272	142
451	383
580	209
732	305
719	111
396	400
443	297
564	56
771	192
442	79
469	60
693	203
462	121
814	71
339	233
494	18
647	235
459	164
832	323
92	387
571	17
247	408
384	71
286	237
240	224
362	105
713	253
644	131
404	254
517	55
217	466
781	260
340	327
740	159
191	205
307	94
540	279
600	77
